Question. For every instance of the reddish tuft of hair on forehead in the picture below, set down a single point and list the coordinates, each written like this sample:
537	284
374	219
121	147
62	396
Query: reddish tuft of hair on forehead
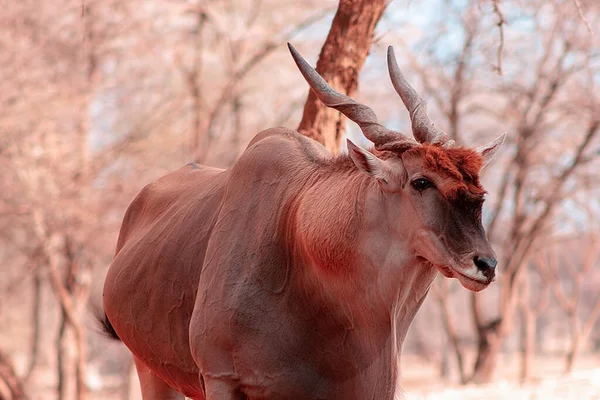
461	164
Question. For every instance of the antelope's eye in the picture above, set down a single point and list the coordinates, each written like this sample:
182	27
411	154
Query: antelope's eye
421	184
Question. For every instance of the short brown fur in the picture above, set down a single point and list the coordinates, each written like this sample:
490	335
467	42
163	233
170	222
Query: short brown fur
462	165
226	284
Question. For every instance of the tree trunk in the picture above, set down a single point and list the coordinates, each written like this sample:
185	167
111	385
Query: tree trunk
36	323
490	338
72	354
78	285
71	361
572	355
528	325
11	386
342	57
527	342
491	335
575	343
81	362
62	359
72	292
445	364
451	334
488	348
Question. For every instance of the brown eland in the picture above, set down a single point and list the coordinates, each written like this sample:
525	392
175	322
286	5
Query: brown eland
295	274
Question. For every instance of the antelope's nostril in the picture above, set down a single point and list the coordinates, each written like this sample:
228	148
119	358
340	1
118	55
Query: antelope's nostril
487	265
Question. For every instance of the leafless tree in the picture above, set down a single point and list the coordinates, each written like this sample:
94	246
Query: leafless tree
531	185
530	307
441	292
566	274
105	96
241	55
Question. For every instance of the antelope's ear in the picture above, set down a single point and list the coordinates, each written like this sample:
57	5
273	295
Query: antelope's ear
489	150
367	162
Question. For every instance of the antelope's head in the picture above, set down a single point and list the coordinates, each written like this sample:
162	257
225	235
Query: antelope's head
431	194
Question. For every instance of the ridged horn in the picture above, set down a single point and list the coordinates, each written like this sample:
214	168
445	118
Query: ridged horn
423	129
359	113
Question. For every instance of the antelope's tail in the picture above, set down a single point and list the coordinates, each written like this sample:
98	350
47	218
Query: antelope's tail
104	325
108	328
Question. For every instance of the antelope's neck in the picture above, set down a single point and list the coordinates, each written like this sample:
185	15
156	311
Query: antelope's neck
353	261
361	282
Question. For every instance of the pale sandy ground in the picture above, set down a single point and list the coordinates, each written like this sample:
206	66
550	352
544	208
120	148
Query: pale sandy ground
547	382
584	385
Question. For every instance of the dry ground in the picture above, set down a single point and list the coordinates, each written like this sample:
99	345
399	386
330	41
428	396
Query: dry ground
548	382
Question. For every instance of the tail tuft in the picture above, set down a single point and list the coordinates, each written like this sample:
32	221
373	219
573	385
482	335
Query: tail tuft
107	328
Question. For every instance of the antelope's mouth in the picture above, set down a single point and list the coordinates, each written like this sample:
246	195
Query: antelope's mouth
470	283
474	284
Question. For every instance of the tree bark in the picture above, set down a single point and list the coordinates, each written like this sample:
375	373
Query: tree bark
81	362
573	352
72	292
451	333
342	57
488	349
78	285
72	362
527	342
62	360
445	364
528	326
36	322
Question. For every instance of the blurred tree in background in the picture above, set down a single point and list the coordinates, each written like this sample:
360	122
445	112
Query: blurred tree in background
101	97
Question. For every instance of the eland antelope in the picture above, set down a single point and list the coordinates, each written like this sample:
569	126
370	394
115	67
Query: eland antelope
295	274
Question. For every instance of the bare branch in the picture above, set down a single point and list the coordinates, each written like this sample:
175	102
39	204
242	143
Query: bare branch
583	18
591	319
500	24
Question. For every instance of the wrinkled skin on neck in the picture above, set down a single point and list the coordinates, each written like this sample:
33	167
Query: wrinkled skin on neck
355	236
362	268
